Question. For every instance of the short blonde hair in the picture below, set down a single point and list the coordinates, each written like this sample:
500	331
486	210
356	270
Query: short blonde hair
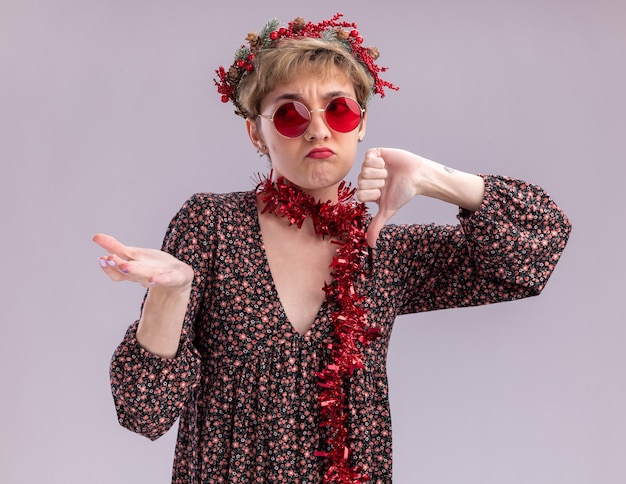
293	57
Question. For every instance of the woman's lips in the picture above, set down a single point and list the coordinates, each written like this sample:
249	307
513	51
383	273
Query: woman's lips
320	153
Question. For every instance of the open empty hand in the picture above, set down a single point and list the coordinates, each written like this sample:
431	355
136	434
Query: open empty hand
148	267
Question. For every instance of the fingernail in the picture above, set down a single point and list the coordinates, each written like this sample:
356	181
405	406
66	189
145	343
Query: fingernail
103	263
111	263
125	271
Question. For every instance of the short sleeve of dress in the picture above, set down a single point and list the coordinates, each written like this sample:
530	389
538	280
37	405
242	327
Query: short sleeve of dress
505	250
150	391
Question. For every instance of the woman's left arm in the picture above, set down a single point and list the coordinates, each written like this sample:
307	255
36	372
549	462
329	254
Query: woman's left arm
509	240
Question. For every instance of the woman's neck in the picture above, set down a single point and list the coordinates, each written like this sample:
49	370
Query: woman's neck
322	195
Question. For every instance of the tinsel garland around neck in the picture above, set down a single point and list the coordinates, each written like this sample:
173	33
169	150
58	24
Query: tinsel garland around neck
344	223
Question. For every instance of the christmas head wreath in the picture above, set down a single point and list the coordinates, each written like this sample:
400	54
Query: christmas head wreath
332	30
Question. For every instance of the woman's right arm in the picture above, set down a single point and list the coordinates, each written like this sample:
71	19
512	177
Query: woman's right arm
156	366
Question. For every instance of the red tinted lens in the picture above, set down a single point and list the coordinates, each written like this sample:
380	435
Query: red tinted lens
343	114
292	119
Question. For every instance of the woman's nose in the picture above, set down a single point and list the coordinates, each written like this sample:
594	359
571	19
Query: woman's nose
318	128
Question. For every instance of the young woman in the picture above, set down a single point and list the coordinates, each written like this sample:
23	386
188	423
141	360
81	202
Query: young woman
268	313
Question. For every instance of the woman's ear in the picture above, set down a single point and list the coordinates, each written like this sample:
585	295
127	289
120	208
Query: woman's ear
363	126
255	136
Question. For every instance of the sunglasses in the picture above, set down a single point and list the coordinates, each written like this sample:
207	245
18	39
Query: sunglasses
292	118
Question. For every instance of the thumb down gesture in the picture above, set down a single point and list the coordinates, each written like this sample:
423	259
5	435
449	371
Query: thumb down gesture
389	178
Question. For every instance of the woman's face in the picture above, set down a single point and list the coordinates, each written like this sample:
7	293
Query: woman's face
320	159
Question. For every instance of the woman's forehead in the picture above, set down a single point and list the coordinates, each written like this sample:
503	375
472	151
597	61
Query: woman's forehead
312	84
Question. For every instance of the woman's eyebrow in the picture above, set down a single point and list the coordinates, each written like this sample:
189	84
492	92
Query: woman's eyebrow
288	95
298	97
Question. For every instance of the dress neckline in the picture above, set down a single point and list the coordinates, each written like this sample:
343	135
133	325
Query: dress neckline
286	327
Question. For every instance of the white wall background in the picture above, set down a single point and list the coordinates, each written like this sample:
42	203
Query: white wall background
109	120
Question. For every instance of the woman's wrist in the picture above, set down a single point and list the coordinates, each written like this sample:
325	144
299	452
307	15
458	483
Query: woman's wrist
162	319
453	186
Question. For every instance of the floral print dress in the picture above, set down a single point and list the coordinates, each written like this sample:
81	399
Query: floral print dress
243	383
